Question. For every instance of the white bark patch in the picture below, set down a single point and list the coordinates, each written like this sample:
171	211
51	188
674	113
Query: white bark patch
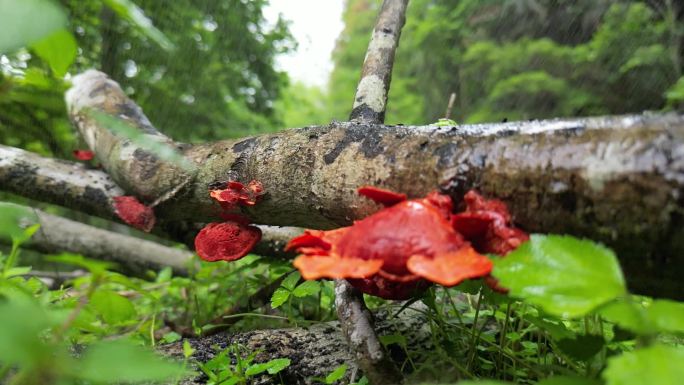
382	40
371	91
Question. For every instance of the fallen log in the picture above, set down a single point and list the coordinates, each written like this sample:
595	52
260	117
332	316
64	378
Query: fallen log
618	180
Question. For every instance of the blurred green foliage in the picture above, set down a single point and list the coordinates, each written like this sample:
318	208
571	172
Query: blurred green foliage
519	59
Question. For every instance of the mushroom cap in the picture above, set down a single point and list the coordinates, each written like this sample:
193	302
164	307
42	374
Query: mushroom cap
136	214
226	241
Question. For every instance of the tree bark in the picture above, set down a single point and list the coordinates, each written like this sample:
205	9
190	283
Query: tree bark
617	179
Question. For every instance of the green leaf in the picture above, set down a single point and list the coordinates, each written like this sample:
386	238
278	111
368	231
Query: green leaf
273	367
582	347
13	218
131	12
188	351
291	281
279	297
112	307
566	276
59	50
26	21
661	316
22	323
336	374
306	288
95	267
119	361
563	380
658	364
485	382
14	271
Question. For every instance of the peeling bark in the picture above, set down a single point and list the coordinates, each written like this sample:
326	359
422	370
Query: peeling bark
315	351
618	179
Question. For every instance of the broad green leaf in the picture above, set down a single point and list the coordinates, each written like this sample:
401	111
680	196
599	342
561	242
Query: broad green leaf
120	361
148	142
557	329
112	307
279	297
291	281
131	12
660	316
95	267
582	347
13	219
58	50
563	380
22	323
272	367
485	382
23	22
566	276
306	288
336	374
658	364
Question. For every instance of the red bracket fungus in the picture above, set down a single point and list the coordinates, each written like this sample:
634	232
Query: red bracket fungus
84	155
136	214
410	244
234	238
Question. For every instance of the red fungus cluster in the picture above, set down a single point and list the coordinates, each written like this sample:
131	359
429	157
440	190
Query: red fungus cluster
233	238
136	214
403	248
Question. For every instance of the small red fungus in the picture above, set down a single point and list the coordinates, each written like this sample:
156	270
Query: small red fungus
136	214
236	193
84	155
234	238
226	241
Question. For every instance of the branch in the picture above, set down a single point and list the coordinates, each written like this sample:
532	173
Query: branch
134	255
90	191
369	107
370	100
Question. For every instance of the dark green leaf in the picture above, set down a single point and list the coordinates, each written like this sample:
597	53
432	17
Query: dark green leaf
658	364
26	21
566	276
582	347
